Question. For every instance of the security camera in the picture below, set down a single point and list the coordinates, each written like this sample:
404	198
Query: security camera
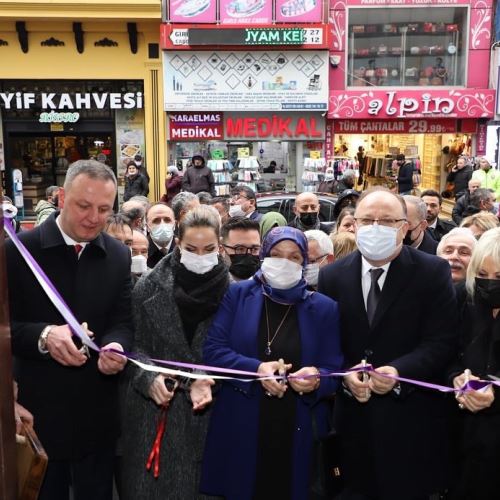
335	60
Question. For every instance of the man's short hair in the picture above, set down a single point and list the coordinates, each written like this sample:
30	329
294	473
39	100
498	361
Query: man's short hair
50	191
222	200
180	201
374	189
321	238
91	168
479	195
249	193
141	199
162	203
134	213
349	173
204	197
419	205
434	194
118	219
240	224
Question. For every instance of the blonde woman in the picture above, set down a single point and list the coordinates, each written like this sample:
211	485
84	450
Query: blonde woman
478	454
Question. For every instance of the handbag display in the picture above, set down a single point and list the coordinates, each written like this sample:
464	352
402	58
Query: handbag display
396	51
440	27
411	72
363	52
371	28
436	81
389	28
413	27
382	50
429	28
423	81
370	73
358	28
381	72
452	28
414	51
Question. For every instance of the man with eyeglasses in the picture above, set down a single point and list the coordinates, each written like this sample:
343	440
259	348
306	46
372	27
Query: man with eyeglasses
241	246
397	313
244	203
319	253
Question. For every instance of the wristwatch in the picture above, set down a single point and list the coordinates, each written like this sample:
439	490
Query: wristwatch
42	340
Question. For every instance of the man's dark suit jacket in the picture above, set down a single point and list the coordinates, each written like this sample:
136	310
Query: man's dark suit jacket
154	254
428	245
75	408
442	227
394	447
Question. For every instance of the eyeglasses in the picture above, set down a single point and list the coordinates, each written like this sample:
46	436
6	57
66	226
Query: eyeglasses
319	260
362	221
243	250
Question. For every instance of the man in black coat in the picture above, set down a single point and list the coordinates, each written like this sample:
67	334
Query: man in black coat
405	175
460	175
73	397
160	222
398	309
463	202
437	227
417	236
198	177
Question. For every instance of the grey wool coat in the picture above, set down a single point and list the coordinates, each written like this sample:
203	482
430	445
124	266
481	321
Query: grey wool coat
159	334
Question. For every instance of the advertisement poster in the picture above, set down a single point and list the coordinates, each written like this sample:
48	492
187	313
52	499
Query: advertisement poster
129	142
246	11
299	11
246	81
192	11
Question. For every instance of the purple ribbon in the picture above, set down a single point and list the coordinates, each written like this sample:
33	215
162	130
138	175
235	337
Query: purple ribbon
77	329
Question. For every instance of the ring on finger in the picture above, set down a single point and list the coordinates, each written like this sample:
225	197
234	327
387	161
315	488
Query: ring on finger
461	406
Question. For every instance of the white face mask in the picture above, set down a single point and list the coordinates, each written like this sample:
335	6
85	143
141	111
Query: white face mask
236	211
311	274
281	273
377	242
139	264
199	264
162	234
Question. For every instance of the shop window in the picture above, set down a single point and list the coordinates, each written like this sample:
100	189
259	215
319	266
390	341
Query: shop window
407	47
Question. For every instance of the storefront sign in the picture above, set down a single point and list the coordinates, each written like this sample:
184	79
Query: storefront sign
187	37
53	117
195	126
481	139
248	36
66	101
463	103
245	11
421	126
329	141
264	127
192	11
226	81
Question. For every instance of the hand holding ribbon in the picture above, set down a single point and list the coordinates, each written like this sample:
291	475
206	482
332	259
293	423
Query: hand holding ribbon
469	398
381	384
273	386
111	363
357	384
304	380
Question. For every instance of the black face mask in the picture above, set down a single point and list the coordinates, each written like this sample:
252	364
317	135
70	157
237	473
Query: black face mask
488	291
244	266
407	240
309	219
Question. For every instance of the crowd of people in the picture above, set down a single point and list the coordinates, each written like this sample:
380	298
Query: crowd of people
209	281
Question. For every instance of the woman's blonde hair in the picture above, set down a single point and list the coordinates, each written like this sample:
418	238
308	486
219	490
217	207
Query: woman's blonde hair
487	246
201	216
482	220
343	244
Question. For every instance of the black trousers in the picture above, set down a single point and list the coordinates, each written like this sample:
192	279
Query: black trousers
90	478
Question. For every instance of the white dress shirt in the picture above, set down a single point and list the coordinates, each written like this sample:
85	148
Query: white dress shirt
366	280
70	241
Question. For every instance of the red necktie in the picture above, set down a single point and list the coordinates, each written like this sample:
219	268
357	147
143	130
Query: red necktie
78	248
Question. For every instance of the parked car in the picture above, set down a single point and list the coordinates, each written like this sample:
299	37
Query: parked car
283	203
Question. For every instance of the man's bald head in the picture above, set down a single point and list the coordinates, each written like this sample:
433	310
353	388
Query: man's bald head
305	203
140	244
